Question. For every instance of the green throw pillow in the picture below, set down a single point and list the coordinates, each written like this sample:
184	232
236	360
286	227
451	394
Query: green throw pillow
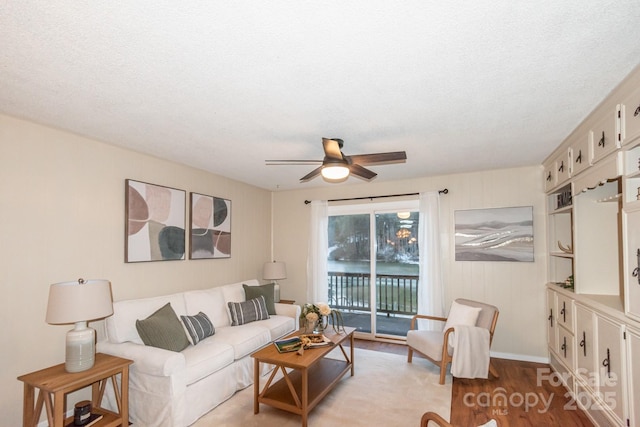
163	330
267	291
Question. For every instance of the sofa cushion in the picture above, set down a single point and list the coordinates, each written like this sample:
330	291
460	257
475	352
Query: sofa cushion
198	327
267	291
208	357
245	339
211	302
279	325
248	311
163	330
121	327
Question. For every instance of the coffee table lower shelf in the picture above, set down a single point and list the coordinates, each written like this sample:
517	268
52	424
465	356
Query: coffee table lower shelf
322	377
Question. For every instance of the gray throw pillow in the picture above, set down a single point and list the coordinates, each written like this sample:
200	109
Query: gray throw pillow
163	330
267	291
198	326
248	311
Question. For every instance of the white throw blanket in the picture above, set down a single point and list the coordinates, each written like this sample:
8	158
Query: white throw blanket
470	352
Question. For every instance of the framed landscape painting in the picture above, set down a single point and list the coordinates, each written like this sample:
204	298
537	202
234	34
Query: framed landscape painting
210	227
154	223
500	234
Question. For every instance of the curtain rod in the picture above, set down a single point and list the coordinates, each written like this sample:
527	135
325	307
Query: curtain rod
445	191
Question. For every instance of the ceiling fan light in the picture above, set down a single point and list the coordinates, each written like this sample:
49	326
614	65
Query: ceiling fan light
335	173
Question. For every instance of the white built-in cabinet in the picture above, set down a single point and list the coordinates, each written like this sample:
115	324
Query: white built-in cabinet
593	240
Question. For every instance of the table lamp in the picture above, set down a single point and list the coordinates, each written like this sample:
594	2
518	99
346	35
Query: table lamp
275	271
79	302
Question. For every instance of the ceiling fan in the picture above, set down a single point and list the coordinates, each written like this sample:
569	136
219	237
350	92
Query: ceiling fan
336	167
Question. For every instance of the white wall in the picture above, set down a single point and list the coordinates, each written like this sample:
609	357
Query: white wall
517	288
62	217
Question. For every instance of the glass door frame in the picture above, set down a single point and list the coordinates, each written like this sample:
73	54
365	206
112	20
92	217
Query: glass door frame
372	209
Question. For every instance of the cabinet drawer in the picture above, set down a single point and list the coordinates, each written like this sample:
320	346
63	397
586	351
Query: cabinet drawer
581	154
604	136
630	117
565	311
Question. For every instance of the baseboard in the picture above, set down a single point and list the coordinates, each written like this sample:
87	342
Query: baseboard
520	357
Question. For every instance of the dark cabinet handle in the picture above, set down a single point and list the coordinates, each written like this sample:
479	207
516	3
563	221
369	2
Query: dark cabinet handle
579	158
550	318
607	364
561	168
564	347
583	343
601	142
564	312
636	270
549	176
637	112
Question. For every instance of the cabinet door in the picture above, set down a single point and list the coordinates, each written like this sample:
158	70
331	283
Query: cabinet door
563	167
631	236
585	350
633	371
611	379
582	154
604	137
552	339
566	347
630	117
550	176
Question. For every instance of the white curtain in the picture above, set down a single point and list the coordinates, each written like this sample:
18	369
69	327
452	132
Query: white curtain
431	286
317	270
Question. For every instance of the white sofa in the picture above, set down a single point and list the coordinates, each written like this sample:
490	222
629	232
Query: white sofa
174	389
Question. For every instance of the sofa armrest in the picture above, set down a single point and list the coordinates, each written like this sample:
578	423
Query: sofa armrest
148	360
290	310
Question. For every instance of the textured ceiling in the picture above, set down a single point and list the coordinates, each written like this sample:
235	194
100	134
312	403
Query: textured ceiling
224	85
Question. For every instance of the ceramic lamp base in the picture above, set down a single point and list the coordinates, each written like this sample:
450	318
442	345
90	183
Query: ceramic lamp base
80	348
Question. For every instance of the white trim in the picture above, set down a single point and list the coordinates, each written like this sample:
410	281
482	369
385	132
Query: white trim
520	357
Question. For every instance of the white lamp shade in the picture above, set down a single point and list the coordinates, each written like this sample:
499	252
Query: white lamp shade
82	300
274	271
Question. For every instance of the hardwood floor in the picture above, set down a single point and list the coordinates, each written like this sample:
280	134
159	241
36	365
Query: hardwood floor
520	397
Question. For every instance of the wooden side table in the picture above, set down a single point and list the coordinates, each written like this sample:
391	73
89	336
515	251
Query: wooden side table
287	301
54	383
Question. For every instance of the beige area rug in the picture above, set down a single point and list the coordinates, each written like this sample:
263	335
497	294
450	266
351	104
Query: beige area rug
385	391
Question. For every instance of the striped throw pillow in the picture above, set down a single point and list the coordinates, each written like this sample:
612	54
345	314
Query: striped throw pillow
248	311
199	327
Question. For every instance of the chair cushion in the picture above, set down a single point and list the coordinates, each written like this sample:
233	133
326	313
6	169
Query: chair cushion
248	311
461	314
266	291
428	343
163	330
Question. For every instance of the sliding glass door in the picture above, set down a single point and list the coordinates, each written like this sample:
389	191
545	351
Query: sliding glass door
373	266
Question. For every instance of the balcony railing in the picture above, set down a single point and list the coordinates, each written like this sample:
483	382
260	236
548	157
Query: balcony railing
397	294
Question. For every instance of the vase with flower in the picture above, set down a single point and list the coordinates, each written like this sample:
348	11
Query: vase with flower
315	318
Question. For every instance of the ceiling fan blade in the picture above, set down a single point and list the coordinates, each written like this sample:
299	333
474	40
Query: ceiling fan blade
311	175
361	172
379	158
332	148
292	162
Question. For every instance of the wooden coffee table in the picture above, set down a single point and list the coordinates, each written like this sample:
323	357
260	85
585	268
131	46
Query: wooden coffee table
306	378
